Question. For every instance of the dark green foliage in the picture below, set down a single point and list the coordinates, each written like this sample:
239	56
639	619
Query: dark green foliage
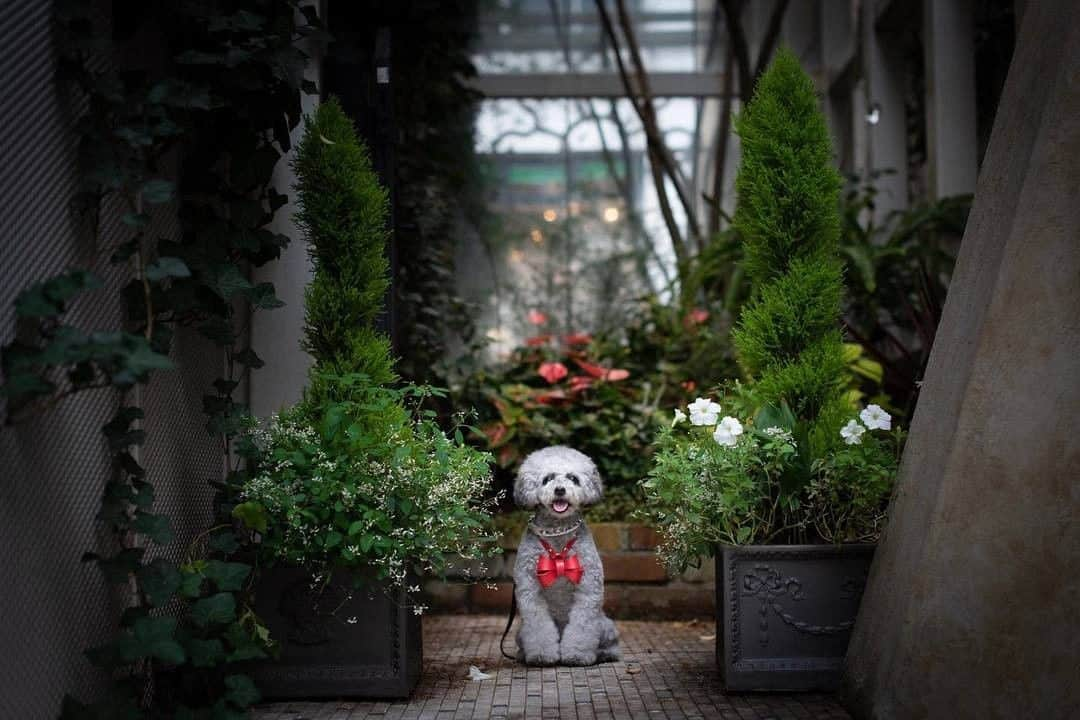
787	187
343	214
898	273
788	336
217	99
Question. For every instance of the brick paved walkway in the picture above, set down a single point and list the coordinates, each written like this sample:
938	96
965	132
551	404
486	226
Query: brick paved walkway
668	672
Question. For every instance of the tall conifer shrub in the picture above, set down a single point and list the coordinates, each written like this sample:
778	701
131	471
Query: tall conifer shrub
343	213
788	336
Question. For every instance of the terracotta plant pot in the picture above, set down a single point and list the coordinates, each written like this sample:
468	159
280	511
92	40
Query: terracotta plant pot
336	641
785	613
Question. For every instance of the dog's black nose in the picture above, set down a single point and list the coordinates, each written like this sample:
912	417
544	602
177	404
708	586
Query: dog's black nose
560	491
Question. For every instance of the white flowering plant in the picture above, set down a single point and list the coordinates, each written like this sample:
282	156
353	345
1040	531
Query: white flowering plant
370	483
761	477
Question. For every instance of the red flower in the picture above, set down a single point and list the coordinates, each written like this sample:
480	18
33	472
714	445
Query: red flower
577	339
602	373
689	386
580	382
495	433
697	316
537	340
537	318
551	397
552	372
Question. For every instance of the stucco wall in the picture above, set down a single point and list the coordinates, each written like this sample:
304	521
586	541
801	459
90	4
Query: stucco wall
973	602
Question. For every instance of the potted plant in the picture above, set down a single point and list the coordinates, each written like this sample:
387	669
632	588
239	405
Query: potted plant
354	490
783	478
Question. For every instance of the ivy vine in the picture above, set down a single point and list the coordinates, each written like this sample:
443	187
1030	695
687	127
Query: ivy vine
200	130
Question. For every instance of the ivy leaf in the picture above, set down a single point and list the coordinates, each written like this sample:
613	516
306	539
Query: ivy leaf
248	357
225	387
217	329
252	514
228	576
244	645
223	541
23	386
118	567
262	296
156	527
159	581
167	267
205	653
191	584
227	280
151	637
219	608
157	191
241	691
48	298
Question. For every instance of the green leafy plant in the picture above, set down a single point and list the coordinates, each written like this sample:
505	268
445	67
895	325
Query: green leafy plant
224	104
343	213
357	475
788	336
723	480
368	486
782	465
898	274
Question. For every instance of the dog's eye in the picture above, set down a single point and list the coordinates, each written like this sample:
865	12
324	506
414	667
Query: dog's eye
573	478
548	478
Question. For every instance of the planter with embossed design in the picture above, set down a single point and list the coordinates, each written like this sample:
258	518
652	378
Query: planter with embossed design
344	639
785	613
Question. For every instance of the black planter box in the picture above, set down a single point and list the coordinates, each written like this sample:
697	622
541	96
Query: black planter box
323	654
785	613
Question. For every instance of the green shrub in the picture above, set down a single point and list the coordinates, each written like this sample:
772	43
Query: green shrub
788	336
357	475
781	465
343	215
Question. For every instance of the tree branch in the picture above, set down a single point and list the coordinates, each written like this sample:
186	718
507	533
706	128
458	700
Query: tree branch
772	34
653	133
733	13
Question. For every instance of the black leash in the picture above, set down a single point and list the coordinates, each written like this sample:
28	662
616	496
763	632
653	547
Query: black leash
509	624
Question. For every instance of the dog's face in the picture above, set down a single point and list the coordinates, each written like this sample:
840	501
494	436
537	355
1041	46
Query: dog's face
559	481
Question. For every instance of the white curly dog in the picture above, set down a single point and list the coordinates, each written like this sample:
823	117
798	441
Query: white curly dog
558	577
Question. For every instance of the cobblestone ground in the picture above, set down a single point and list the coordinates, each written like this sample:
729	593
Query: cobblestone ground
668	672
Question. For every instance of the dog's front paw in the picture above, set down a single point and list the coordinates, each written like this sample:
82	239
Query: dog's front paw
540	657
578	657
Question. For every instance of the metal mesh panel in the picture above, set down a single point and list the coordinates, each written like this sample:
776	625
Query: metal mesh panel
54	464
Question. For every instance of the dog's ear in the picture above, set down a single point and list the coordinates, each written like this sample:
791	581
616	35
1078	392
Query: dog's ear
594	484
525	487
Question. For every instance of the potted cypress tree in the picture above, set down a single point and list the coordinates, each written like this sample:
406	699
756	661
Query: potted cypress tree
783	478
355	490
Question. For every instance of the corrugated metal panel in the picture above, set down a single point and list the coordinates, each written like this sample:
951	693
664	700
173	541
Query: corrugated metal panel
53	466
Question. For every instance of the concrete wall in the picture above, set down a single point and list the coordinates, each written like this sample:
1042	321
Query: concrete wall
276	335
972	605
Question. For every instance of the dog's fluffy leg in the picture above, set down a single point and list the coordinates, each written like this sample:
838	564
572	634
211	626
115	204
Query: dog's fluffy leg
538	638
588	630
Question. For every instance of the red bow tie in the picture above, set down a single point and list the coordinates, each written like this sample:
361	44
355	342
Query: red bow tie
555	565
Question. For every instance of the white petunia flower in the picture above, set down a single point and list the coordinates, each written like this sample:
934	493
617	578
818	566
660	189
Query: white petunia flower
680	416
703	412
875	418
728	431
852	432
